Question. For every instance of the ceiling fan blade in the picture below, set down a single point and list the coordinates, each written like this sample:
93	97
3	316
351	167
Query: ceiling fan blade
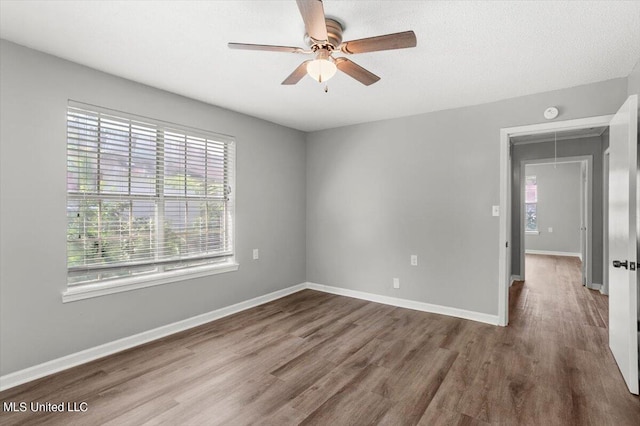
383	42
312	13
266	47
356	71
297	74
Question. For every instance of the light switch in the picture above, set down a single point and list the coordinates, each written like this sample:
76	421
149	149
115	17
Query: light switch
256	254
495	210
550	230
414	260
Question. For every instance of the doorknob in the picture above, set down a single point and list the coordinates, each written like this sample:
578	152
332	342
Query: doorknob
618	264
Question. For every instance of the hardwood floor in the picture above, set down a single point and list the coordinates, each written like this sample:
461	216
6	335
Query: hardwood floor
316	359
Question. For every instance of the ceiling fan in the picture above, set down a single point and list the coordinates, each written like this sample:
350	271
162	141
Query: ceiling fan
324	37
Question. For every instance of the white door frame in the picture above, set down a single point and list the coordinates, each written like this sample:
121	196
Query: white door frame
504	266
604	289
586	206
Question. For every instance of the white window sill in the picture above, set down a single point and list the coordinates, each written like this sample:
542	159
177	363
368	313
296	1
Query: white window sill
86	291
532	232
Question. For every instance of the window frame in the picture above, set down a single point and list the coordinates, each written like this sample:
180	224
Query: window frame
184	270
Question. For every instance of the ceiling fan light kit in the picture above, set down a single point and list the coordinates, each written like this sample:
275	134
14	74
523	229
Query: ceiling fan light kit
324	37
321	70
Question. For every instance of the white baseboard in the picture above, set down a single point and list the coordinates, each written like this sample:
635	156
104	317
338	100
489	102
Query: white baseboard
595	286
50	367
554	253
82	357
409	304
514	278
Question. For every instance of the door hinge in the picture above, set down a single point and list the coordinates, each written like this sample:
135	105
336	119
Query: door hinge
506	244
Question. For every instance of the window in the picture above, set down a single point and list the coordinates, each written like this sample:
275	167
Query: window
531	204
144	198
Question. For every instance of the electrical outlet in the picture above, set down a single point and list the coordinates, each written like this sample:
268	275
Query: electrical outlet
256	254
414	260
495	210
396	283
550	230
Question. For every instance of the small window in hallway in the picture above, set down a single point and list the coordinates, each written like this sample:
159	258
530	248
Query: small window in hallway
531	204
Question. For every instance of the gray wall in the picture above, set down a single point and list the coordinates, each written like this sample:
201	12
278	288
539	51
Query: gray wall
566	148
379	192
35	326
633	81
558	207
375	193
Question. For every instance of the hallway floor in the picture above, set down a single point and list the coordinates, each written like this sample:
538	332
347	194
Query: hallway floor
562	326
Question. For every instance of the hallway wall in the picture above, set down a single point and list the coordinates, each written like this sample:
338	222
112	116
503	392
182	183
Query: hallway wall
558	207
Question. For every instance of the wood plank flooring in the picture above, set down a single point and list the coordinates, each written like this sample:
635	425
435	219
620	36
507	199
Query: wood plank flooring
319	359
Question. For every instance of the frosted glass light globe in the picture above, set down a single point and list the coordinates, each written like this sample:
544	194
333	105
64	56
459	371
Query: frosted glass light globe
321	70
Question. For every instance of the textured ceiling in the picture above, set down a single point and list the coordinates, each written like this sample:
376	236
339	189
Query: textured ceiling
468	52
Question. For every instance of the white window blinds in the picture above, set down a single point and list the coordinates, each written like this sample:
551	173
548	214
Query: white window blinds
144	196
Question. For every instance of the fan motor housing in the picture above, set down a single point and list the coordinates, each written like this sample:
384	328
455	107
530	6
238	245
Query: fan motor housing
334	33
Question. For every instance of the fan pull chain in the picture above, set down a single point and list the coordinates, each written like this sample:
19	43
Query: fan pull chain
326	88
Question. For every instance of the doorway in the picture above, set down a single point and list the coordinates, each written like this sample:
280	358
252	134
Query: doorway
556	199
623	219
582	146
507	237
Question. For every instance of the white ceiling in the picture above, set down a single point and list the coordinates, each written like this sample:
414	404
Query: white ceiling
468	52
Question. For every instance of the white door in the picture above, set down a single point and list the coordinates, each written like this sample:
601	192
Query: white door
623	285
